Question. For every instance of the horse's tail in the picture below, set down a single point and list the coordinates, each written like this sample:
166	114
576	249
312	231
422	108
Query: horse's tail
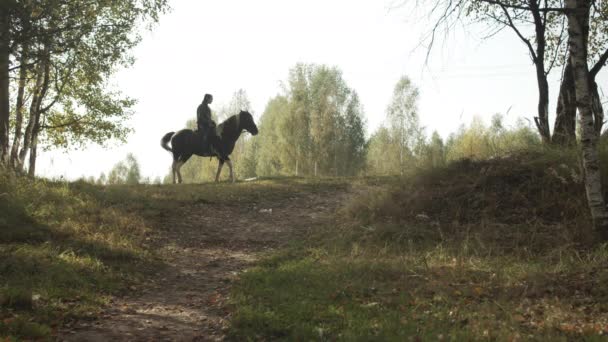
164	142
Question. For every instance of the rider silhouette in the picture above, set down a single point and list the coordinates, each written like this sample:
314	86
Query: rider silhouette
206	125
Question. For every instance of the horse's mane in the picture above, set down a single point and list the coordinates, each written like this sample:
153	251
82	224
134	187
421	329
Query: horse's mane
230	120
229	125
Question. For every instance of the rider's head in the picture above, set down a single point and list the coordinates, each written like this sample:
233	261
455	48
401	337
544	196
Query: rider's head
208	98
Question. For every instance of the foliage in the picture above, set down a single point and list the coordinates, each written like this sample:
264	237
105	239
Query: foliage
65	53
125	172
395	146
433	154
478	141
270	144
383	154
317	126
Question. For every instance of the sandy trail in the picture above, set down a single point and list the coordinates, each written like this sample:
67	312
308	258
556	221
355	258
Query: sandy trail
205	247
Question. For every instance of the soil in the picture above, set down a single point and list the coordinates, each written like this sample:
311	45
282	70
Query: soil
205	246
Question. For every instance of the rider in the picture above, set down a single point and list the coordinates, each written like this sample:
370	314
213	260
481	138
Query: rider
206	125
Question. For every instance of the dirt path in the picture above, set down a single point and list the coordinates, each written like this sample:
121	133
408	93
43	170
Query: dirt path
205	246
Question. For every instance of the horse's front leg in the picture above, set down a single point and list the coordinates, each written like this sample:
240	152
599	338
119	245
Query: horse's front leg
231	173
219	170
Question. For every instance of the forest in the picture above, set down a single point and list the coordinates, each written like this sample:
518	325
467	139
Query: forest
333	230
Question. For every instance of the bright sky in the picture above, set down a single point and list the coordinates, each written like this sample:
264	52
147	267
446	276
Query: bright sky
220	46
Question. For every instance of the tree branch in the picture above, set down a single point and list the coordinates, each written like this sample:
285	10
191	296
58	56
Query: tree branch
526	8
560	40
65	124
598	66
526	41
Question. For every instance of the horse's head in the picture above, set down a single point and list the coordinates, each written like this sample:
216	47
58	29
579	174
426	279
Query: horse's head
247	123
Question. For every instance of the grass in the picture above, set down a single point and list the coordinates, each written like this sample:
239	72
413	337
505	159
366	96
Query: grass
65	248
448	267
479	250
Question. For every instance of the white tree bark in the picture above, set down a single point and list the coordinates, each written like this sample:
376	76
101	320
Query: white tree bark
578	30
4	83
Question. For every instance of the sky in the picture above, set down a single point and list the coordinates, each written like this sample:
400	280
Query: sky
219	47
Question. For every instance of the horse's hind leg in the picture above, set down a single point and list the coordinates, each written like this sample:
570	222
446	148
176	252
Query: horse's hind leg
180	162
177	170
219	170
231	172
173	170
174	165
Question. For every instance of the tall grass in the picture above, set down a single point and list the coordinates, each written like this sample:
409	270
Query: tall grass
495	249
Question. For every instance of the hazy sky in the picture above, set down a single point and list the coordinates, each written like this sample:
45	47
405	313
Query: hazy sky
220	46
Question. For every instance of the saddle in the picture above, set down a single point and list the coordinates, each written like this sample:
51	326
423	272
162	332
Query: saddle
201	140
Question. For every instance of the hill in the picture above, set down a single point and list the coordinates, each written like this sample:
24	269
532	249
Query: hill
495	249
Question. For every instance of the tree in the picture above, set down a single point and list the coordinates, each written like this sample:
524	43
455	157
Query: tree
335	123
102	179
65	52
352	143
5	10
270	140
433	154
315	128
402	117
125	172
541	27
296	146
578	32
381	152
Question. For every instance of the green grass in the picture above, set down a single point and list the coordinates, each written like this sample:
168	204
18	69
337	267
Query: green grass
376	272
66	247
63	250
380	273
389	287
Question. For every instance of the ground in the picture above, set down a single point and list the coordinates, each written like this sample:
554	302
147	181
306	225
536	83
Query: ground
469	252
205	246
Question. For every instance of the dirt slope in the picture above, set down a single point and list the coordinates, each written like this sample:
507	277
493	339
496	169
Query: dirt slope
205	246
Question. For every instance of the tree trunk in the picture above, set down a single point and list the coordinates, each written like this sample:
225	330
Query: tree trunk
578	28
4	83
29	129
31	171
19	108
40	90
598	109
564	131
542	120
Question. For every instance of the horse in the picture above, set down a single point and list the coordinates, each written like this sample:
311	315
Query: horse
187	142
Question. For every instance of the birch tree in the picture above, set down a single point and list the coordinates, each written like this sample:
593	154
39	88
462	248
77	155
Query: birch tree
5	10
578	32
64	53
541	27
403	122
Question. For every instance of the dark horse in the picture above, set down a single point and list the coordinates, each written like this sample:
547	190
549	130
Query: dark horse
186	142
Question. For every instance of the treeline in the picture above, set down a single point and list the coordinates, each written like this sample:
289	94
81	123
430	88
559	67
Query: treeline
316	127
